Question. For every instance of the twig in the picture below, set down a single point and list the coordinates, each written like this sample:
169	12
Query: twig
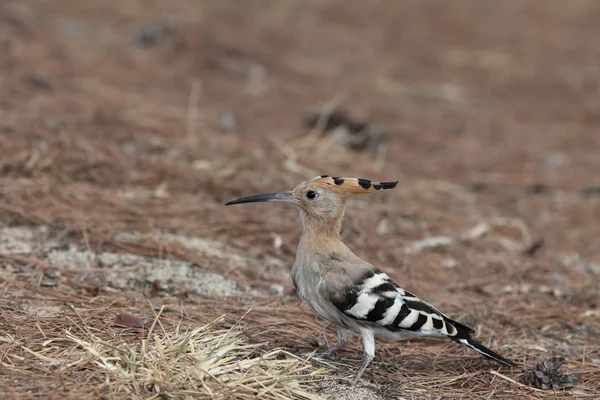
154	322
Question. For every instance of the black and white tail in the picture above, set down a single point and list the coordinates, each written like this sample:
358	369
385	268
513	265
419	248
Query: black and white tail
481	349
463	336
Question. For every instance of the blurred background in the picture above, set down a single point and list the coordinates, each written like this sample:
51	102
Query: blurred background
126	124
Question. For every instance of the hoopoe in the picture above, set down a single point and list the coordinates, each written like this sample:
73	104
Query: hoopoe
349	292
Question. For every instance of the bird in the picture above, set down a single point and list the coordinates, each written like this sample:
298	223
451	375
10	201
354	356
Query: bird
349	292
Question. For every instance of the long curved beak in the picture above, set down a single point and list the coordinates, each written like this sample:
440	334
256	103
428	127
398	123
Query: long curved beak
260	198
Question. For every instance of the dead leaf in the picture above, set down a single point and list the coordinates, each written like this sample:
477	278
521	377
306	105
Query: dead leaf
130	320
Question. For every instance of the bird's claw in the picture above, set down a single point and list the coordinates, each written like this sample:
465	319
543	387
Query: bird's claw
326	355
349	382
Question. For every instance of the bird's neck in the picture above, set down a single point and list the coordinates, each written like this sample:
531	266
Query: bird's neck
321	235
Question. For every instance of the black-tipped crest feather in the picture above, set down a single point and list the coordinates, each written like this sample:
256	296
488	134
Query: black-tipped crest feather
352	186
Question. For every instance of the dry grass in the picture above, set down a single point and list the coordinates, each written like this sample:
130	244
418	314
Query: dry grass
75	347
122	149
79	352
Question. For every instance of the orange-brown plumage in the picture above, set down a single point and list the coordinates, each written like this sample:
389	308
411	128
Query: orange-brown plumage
347	186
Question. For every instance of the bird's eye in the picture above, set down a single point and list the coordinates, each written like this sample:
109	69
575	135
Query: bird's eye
311	195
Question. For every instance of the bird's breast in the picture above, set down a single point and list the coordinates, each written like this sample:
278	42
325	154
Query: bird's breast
307	280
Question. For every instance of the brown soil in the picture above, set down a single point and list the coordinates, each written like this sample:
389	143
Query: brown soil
125	125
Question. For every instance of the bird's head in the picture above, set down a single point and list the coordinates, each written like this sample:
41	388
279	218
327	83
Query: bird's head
322	198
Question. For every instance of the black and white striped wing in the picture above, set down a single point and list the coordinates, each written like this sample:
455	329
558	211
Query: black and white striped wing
379	301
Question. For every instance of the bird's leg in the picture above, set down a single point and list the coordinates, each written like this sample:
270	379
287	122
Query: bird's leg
343	339
369	348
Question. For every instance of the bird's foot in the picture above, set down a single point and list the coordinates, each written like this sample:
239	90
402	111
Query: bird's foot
366	361
362	383
327	355
352	381
347	382
329	352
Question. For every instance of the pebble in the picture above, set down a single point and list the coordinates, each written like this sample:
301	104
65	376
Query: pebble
277	289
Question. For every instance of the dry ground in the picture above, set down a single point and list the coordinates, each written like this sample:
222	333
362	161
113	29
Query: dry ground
125	125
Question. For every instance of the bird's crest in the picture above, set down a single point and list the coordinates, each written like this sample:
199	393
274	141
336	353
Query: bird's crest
351	186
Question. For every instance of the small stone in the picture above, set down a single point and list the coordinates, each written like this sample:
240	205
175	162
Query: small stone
525	288
478	186
449	263
152	33
40	79
277	243
17	14
228	122
556	160
156	286
383	227
227	325
51	278
538	188
557	276
72	27
125	236
591	191
54	124
346	130
202	164
41	146
277	289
